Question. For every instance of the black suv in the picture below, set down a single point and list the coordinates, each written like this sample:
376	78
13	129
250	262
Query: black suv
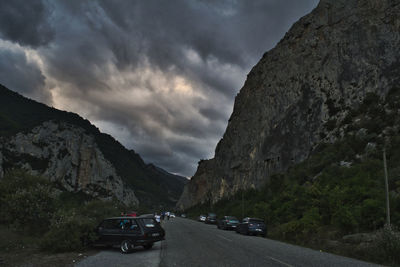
129	232
211	218
252	226
227	222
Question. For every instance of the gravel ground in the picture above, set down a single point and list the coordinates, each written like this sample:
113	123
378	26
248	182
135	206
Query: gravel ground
114	257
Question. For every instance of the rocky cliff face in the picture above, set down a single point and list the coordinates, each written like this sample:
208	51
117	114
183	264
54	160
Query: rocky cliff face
69	157
300	91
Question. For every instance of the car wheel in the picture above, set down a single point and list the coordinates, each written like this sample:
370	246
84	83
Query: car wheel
148	246
126	246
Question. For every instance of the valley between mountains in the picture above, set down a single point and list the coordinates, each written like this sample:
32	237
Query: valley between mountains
311	149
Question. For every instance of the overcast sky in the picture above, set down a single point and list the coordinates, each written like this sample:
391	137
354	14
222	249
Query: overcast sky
160	76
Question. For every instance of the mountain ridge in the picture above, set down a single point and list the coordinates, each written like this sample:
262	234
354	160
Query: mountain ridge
152	186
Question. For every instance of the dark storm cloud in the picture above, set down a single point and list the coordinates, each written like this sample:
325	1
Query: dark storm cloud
25	77
160	76
25	22
229	32
213	113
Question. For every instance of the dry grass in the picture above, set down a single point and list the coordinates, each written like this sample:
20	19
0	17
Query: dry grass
18	250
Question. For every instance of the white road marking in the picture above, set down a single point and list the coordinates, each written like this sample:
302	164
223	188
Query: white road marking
281	262
230	240
271	258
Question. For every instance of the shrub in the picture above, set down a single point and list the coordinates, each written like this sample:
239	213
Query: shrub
372	213
344	219
291	230
386	247
300	230
72	229
69	231
98	210
262	210
26	202
311	220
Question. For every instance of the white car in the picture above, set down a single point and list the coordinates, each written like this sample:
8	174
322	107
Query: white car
172	215
202	218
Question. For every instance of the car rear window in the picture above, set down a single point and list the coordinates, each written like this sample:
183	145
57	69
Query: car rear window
256	221
231	218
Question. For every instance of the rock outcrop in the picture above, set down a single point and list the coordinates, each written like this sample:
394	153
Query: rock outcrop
69	157
300	91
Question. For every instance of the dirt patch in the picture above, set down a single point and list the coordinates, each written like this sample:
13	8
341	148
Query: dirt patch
29	257
17	249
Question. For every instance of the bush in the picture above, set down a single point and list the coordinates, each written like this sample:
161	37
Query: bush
69	231
344	219
291	231
98	210
372	213
26	202
311	221
386	247
66	220
301	230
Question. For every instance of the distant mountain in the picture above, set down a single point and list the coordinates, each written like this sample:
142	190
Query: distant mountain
73	153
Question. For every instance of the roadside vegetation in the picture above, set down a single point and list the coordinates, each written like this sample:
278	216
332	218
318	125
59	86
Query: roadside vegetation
52	220
338	192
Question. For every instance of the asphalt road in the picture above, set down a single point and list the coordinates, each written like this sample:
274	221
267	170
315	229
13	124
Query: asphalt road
191	243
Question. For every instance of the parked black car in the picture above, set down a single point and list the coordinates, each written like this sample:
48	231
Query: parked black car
227	222
252	226
211	218
129	232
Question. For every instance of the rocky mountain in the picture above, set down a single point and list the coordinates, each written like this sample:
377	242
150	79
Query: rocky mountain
77	157
300	92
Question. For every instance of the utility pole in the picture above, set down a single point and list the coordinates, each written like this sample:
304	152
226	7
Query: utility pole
242	198
242	205
386	188
210	198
